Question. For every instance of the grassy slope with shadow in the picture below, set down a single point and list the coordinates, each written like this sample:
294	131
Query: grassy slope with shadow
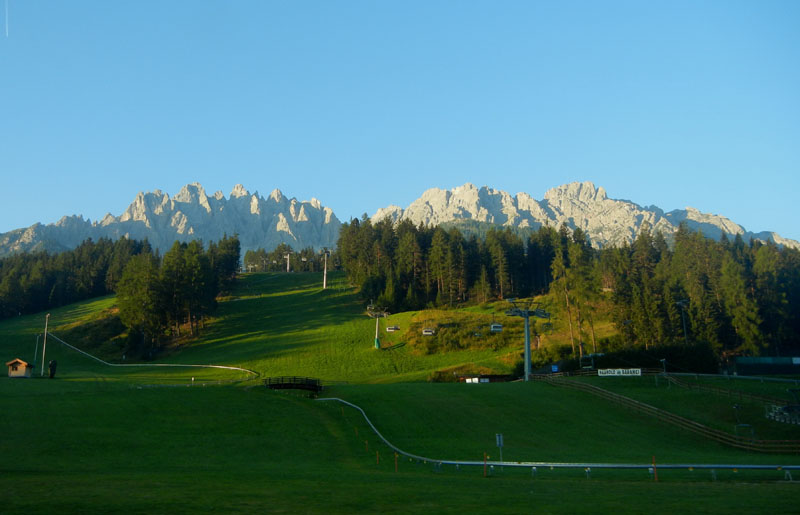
84	443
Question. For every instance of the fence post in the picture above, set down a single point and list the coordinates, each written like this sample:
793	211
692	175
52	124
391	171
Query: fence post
655	470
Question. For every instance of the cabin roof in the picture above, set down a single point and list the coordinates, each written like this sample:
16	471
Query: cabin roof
17	361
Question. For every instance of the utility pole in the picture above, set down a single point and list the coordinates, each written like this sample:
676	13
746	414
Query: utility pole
325	269
287	261
526	313
44	345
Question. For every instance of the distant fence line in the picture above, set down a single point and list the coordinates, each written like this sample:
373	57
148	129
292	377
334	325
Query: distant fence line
765	446
727	392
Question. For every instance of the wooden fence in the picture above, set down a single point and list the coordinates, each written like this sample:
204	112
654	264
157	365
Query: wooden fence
766	446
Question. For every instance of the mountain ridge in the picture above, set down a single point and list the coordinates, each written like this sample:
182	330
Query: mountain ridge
191	214
606	221
267	222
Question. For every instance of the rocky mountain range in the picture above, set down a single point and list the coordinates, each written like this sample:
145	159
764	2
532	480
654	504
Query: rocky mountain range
191	214
606	221
266	222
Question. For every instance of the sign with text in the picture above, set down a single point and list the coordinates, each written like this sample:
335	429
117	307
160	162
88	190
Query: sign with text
607	372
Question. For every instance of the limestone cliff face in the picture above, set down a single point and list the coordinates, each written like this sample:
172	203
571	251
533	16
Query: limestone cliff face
191	214
606	221
267	222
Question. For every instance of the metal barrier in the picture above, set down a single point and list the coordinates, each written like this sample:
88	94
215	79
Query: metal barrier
586	466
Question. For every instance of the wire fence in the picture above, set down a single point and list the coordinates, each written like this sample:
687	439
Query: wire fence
741	442
725	392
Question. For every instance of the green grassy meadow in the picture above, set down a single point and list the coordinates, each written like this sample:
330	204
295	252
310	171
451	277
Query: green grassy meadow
101	439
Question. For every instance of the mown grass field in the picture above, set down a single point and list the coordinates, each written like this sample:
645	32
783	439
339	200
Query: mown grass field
99	439
717	410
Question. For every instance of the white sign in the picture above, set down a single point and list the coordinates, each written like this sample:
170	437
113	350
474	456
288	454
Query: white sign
499	438
604	372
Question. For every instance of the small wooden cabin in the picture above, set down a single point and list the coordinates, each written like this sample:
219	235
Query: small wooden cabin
19	368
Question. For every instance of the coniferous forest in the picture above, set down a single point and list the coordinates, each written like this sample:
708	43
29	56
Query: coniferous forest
739	298
156	295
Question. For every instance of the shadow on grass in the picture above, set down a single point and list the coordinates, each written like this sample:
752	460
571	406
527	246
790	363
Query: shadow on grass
274	313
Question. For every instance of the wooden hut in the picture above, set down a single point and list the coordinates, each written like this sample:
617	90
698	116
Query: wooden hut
19	368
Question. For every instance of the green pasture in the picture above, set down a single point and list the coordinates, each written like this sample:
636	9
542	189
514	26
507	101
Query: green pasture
105	447
102	439
722	410
540	423
777	387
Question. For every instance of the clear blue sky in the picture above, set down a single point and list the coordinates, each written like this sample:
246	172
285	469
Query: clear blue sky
363	104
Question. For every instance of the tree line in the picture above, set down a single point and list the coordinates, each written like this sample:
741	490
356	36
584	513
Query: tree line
36	281
156	295
736	297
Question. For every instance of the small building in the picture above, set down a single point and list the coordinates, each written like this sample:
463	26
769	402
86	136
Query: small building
485	378
19	368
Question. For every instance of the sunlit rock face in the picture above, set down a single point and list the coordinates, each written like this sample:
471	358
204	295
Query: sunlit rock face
191	214
266	222
606	221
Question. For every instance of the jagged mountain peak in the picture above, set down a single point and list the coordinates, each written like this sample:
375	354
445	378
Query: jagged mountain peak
584	191
239	191
191	214
582	205
276	195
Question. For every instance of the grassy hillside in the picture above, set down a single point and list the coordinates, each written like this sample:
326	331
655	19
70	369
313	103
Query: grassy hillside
139	440
286	324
